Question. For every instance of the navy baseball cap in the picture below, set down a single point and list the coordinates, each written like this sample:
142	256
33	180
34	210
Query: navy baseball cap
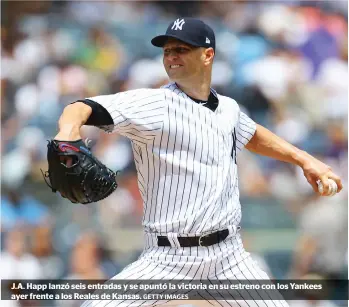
189	30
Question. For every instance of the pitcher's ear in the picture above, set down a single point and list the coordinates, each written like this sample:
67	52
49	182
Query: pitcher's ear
209	55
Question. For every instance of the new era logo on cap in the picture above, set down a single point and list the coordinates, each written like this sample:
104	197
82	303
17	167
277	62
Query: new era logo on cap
189	30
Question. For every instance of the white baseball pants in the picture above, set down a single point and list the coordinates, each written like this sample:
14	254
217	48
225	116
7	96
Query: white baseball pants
226	260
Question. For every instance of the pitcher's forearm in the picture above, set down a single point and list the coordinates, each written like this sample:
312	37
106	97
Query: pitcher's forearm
266	143
72	119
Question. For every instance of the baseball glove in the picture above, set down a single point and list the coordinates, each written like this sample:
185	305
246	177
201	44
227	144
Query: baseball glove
85	181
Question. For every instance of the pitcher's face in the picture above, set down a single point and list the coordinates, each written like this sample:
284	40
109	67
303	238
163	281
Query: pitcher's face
181	60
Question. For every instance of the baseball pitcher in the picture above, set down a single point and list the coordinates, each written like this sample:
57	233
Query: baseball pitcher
186	139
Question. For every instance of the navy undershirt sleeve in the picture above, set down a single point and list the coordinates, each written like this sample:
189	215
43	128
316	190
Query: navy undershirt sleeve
99	116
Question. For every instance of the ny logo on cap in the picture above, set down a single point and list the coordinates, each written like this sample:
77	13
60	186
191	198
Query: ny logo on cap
178	24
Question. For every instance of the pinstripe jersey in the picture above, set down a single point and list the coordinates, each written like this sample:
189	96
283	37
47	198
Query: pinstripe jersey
185	155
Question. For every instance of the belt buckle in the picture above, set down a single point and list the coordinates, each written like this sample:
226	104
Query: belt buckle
200	239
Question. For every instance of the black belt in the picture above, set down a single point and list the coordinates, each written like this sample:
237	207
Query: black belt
204	240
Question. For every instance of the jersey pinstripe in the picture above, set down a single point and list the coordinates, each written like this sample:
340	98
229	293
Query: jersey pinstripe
185	156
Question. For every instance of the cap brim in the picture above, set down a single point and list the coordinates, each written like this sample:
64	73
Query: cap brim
160	41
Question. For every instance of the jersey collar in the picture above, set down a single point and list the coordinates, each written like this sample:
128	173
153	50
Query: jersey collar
211	103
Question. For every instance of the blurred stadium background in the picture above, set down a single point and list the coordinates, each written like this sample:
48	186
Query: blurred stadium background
284	62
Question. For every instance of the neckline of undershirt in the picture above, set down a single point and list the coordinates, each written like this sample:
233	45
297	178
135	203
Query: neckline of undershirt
211	99
211	103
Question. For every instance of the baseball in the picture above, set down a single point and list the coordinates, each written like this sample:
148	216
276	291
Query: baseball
333	187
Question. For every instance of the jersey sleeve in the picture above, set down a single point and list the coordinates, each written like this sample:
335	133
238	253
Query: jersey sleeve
246	128
137	114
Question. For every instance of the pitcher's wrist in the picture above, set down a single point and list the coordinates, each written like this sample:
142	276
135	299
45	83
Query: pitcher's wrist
70	132
301	157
